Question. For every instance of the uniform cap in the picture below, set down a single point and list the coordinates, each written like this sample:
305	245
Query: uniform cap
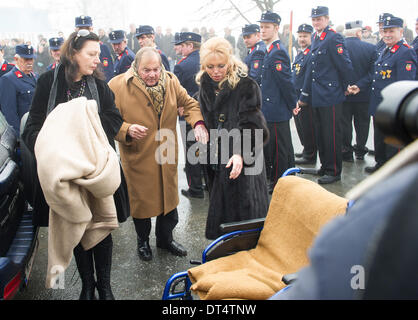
176	39
392	22
383	16
354	25
55	43
83	21
250	29
270	17
189	36
117	36
319	12
305	28
144	30
25	51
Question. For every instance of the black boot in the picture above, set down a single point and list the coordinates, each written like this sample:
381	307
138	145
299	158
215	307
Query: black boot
84	261
103	262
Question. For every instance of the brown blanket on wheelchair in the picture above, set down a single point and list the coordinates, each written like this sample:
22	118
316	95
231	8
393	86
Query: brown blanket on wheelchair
298	209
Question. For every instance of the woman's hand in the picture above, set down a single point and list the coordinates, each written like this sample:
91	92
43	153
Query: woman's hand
137	132
201	134
237	164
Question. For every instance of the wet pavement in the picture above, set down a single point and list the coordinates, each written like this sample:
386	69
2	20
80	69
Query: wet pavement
133	279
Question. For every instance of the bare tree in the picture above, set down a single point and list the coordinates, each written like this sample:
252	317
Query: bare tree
233	9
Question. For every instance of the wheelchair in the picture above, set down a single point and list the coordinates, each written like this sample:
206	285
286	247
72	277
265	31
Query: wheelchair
238	237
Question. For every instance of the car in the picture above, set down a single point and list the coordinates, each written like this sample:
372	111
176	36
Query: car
18	236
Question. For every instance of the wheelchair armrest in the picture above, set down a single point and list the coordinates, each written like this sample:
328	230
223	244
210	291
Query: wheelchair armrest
242	225
289	278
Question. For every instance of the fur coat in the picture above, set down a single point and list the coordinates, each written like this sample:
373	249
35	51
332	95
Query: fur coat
240	109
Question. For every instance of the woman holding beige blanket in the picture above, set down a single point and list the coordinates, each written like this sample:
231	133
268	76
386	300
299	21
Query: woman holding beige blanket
78	76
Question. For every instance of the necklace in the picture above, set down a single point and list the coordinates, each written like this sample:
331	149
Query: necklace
80	91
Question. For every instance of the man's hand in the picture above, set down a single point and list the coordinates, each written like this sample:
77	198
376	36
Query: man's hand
296	110
237	164
201	134
137	131
180	111
353	90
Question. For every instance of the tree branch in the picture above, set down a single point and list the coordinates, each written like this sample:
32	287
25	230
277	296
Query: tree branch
239	11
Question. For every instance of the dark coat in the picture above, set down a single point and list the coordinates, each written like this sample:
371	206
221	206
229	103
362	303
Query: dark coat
279	95
330	72
254	61
363	56
111	121
16	92
186	70
246	197
398	63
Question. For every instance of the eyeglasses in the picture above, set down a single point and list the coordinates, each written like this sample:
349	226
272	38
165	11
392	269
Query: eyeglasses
81	33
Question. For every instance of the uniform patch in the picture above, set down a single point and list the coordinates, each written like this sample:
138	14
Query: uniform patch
19	74
395	48
408	67
4	67
340	50
279	67
256	65
105	63
386	74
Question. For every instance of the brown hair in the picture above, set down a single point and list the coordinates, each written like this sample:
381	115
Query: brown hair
71	46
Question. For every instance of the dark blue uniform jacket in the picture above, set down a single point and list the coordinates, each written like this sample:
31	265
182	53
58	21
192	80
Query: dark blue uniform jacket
330	71
16	92
186	70
254	61
124	61
363	55
278	92
394	64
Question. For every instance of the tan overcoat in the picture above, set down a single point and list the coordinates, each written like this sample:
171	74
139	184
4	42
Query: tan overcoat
150	165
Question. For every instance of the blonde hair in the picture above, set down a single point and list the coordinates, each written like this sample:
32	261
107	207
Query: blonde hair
220	47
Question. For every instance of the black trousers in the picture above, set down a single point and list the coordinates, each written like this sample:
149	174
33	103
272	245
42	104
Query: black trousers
329	138
279	154
359	113
383	151
163	229
306	131
194	172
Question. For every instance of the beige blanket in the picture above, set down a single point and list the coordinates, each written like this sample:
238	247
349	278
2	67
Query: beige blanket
79	173
297	211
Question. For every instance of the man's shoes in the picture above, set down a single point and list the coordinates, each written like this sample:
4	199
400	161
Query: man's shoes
304	160
372	169
328	179
144	250
174	247
313	171
360	156
192	194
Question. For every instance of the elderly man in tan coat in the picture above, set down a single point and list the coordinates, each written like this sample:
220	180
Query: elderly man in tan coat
148	98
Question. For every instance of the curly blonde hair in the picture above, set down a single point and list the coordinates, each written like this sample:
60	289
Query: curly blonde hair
220	47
